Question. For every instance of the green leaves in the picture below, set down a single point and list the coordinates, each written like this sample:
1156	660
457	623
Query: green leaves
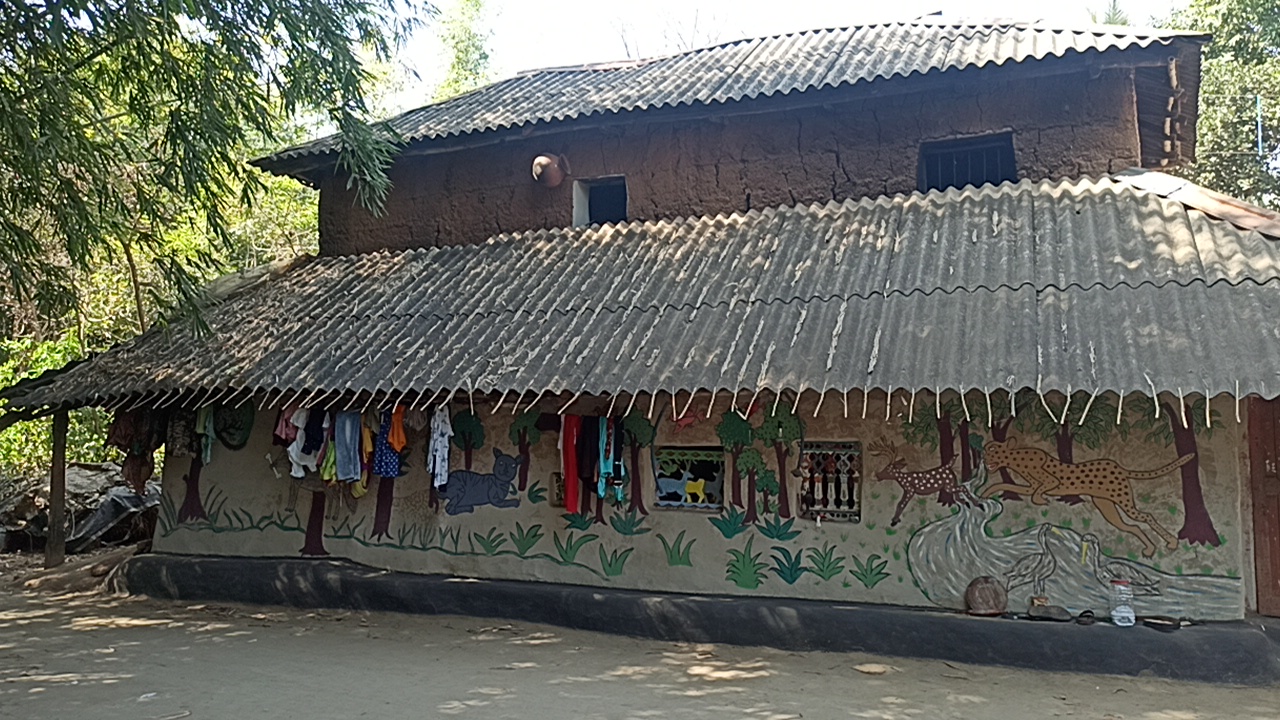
677	553
731	522
123	124
630	524
744	568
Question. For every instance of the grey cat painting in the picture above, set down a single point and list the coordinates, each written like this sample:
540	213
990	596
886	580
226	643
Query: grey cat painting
467	490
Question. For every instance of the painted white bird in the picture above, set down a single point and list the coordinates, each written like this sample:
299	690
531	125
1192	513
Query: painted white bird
1107	568
1033	569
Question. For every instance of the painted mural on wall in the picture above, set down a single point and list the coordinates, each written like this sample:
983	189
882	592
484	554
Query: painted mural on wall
948	494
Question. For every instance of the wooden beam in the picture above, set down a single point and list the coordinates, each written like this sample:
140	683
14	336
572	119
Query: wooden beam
55	548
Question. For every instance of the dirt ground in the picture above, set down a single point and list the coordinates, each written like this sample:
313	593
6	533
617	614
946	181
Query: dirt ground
88	654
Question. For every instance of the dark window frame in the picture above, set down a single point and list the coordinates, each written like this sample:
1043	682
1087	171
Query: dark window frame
596	201
952	163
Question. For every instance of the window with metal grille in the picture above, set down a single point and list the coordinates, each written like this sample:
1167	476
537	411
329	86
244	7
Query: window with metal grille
830	480
971	161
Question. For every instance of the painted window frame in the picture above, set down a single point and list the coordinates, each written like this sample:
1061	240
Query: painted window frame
706	453
830	507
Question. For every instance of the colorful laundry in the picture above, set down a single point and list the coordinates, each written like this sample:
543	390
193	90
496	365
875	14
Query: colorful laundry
386	461
395	436
299	460
346	446
570	429
438	446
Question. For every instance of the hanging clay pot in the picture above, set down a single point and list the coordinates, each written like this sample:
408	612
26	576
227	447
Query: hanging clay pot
550	170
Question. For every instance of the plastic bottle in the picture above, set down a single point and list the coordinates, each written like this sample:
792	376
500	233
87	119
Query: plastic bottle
1122	603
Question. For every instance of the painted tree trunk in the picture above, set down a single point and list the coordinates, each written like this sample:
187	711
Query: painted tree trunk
735	489
784	499
1066	454
585	491
192	507
466	457
1197	526
637	499
433	496
1000	433
946	444
751	497
314	543
523	447
382	513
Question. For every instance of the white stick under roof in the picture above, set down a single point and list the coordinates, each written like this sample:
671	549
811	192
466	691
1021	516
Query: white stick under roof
1120	407
653	398
796	404
612	399
987	395
1155	396
503	399
822	395
911	407
888	403
865	396
534	401
1065	407
1182	405
844	398
630	404
687	403
711	403
964	403
1237	402
1088	405
575	397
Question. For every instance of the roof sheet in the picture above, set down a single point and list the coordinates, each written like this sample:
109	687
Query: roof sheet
747	69
1083	284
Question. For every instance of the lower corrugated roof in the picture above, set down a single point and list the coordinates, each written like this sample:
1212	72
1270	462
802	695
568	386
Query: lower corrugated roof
1122	284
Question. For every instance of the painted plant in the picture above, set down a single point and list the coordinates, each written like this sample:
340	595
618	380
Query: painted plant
780	430
735	435
524	433
468	435
640	433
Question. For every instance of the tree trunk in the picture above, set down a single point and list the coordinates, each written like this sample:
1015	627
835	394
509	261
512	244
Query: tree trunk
466	457
433	496
1065	450
524	459
382	513
55	548
1197	526
314	544
136	284
1000	433
192	507
637	502
735	487
946	447
751	497
784	502
1066	454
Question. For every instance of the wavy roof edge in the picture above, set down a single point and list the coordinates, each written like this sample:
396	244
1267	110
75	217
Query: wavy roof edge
1137	38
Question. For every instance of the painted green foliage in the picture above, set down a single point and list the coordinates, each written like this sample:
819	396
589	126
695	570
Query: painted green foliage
678	553
775	529
639	433
744	568
468	435
568	548
613	562
825	563
629	524
524	433
731	522
871	572
780	430
789	568
735	435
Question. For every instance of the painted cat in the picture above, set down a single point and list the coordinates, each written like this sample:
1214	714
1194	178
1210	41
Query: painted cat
466	490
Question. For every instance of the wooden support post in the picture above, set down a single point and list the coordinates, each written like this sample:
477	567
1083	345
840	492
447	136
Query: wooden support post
55	548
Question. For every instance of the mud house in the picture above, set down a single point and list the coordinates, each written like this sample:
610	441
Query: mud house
855	315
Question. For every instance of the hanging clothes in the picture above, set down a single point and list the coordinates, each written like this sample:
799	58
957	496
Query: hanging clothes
606	456
313	429
395	436
589	452
139	433
619	469
438	446
285	431
346	445
570	429
299	460
328	458
386	461
361	486
207	432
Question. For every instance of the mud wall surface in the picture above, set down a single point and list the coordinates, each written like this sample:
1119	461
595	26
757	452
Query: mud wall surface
683	520
1062	126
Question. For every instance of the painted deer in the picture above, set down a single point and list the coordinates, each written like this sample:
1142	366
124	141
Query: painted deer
940	481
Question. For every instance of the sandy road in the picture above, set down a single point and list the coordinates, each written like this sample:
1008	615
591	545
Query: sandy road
84	656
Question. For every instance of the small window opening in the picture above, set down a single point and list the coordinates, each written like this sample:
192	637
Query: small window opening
599	201
972	161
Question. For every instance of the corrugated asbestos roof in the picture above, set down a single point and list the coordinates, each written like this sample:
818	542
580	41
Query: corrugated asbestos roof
1082	284
748	69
